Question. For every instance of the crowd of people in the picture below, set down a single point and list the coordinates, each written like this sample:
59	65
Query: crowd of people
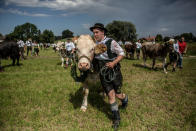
29	46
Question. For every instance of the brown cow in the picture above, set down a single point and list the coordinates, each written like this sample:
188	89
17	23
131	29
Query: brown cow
130	50
157	50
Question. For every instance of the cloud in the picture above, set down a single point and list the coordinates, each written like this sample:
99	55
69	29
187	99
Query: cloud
164	29
53	4
18	12
152	16
86	26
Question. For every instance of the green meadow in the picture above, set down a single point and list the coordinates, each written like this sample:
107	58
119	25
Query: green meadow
41	95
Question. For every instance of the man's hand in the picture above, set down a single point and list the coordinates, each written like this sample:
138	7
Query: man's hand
110	64
113	63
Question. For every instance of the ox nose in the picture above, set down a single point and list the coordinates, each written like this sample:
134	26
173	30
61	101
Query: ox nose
84	66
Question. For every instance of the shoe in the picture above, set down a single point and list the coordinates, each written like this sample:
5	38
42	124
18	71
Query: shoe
116	119
125	102
173	70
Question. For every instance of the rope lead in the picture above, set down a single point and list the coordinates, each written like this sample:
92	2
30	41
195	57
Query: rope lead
108	73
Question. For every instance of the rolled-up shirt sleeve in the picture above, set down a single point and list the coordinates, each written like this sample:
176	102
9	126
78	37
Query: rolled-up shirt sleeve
116	48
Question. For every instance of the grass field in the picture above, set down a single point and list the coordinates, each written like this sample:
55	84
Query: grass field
41	95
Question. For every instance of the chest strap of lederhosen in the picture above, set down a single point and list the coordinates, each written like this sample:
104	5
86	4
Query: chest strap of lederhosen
109	52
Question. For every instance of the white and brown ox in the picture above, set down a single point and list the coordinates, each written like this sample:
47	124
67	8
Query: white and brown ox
60	47
85	52
157	50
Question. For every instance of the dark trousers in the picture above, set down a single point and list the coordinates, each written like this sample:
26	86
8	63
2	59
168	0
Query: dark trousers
114	84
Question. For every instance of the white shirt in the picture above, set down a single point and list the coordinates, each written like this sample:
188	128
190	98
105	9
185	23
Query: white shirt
115	48
28	43
138	45
176	47
20	43
69	46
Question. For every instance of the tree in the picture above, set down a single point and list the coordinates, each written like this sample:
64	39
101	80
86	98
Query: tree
24	32
159	38
47	36
122	31
188	36
166	38
177	37
29	31
58	37
67	34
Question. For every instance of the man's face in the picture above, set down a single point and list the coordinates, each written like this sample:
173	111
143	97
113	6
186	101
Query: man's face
182	38
98	34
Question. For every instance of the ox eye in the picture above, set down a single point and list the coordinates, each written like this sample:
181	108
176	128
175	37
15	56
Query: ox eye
92	50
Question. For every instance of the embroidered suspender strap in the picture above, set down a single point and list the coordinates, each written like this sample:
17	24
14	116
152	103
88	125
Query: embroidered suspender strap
109	52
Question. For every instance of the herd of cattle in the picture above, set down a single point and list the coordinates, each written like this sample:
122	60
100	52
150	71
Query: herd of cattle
86	48
149	49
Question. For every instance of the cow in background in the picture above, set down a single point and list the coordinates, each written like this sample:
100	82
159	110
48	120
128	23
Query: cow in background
157	50
130	49
60	47
9	49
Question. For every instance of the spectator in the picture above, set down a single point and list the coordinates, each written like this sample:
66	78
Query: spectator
182	51
138	47
70	48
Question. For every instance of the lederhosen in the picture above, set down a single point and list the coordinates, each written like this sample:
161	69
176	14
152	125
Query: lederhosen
36	49
173	56
69	54
99	64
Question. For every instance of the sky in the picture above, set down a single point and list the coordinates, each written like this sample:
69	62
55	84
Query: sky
150	17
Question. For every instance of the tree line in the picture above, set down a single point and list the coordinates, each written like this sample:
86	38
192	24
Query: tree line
189	37
30	31
118	30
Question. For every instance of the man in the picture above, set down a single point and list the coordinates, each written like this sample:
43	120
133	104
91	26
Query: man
110	59
182	50
174	55
138	47
36	48
21	48
70	48
29	46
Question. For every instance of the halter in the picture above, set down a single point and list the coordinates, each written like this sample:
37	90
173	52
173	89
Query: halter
83	56
83	74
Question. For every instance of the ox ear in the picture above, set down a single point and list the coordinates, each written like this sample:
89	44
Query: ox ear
100	48
76	42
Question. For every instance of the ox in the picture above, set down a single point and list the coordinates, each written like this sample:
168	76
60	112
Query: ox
60	47
85	52
9	49
130	49
156	50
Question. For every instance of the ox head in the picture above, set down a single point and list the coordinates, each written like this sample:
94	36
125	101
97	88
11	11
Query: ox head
60	45
169	45
85	52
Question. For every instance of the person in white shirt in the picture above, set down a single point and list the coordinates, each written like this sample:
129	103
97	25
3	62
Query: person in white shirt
110	59
174	55
138	47
21	48
70	48
29	47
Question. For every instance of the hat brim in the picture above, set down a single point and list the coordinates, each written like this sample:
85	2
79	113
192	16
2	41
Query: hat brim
94	27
